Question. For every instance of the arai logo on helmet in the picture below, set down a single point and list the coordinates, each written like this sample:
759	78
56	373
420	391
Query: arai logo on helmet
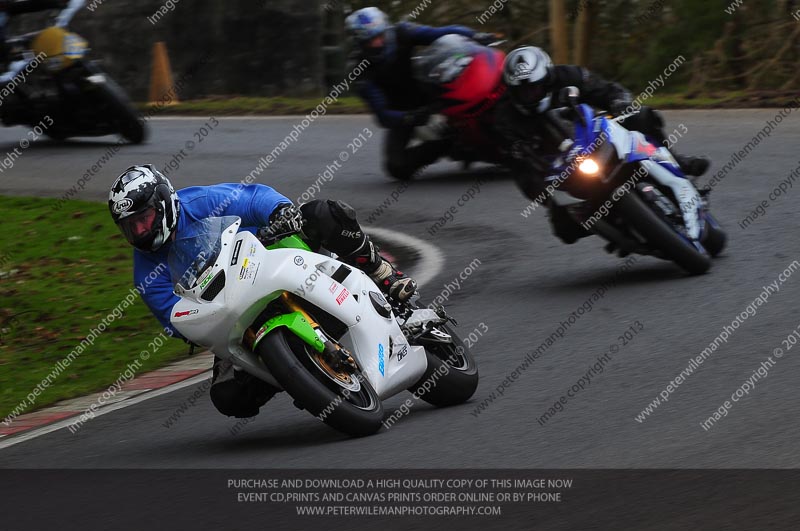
522	71
122	206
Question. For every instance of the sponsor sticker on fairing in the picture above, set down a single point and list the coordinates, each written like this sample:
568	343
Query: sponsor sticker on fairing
236	249
402	352
249	270
342	296
206	280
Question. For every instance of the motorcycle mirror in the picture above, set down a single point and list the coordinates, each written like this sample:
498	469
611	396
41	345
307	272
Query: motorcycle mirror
569	95
266	240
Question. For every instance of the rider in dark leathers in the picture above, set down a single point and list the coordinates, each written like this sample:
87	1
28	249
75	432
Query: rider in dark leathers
389	88
530	141
9	8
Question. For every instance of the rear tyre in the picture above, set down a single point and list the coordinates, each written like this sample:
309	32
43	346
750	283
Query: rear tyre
55	136
398	172
661	236
347	403
452	374
715	238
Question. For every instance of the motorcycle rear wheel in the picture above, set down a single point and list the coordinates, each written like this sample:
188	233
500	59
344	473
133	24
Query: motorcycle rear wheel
347	403
715	238
452	374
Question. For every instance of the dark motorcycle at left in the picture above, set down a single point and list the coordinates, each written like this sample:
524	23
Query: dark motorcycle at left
50	79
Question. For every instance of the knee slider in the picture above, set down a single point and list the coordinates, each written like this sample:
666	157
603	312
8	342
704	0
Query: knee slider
652	118
230	398
344	212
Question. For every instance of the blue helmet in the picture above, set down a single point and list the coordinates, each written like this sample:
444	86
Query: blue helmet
366	24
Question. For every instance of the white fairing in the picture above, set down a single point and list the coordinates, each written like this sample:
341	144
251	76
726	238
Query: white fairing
255	276
685	192
687	195
620	138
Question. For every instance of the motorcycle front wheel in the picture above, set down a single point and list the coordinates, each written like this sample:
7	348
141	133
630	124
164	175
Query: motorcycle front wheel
344	401
122	111
661	236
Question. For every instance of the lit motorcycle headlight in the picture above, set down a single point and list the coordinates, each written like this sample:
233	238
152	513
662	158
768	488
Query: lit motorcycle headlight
589	167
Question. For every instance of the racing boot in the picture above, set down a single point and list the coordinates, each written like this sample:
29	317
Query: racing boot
393	283
694	166
236	393
651	123
564	227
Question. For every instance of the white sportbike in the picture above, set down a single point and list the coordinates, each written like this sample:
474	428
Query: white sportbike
313	326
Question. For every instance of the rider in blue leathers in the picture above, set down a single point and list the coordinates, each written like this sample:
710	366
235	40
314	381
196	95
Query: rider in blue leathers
150	213
254	205
389	88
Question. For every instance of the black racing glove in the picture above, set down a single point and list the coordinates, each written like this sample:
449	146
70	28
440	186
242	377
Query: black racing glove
619	106
286	219
485	38
417	117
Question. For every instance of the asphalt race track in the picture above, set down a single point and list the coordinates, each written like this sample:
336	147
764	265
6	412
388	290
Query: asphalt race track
526	283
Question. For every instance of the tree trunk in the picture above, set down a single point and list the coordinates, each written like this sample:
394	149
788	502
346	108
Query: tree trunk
583	28
559	35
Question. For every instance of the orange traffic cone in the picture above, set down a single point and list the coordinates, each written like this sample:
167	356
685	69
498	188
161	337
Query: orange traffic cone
162	87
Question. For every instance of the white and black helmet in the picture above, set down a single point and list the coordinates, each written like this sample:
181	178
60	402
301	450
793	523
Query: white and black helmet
526	73
145	207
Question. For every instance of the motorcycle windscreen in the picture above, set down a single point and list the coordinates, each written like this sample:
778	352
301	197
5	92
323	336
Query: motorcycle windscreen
444	60
196	249
462	73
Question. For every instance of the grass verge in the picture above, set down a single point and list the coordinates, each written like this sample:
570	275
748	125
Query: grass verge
61	272
723	100
283	106
277	106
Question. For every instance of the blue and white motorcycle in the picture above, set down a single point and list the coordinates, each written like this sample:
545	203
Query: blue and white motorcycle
621	186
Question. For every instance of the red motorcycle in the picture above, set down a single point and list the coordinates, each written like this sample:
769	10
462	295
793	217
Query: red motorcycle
464	80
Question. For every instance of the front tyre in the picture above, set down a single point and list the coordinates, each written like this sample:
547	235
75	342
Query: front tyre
122	111
346	402
452	374
661	236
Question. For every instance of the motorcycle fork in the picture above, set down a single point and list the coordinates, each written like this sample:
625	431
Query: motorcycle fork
334	354
292	306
